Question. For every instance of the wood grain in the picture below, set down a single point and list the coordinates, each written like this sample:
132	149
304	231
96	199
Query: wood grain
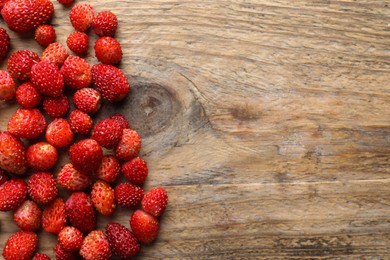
267	121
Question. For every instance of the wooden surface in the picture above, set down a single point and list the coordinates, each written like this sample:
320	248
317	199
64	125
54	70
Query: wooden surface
267	121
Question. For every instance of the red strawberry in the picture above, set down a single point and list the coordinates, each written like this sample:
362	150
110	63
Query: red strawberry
86	155
109	169
145	227
59	133
80	212
77	72
72	179
12	154
56	53
7	86
21	245
47	78
121	120
20	63
65	2
87	100
25	15
27	123
54	216
108	50
155	201
28	96
45	34
56	106
107	133
12	194
103	198
122	241
41	156
4	43
129	145
95	246
81	17
28	216
40	256
78	42
61	254
2	3
135	171
70	239
80	122
42	187
128	195
110	82
105	24
3	177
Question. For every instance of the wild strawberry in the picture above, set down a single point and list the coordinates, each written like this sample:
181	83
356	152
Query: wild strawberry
61	254
105	24
87	100
7	86
47	78
103	198
28	216
110	82
58	133
45	34
86	155
95	246
122	241
109	169
21	245
25	15
20	63
77	72
107	133
56	53
4	43
144	226
135	171
65	2
12	194
72	179
124	123
54	216
41	156
129	145
70	239
42	187
28	96
40	256
81	17
128	195
155	201
56	106
108	50
27	123
2	3
80	122
3	177
12	154
80	212
78	42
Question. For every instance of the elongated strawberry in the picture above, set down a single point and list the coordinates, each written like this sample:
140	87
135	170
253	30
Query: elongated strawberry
28	96
20	63
103	198
122	241
7	86
144	226
62	254
80	122
4	43
105	24
56	106
108	50
81	17
155	201
40	256
54	216
80	212
56	53
107	133
45	34
86	155
110	82
95	246
78	42
77	72
109	169
70	239
129	146
28	216
59	133
27	123
128	195
42	187
135	171
12	194
72	179
47	78
41	156
87	100
21	245
25	15
12	154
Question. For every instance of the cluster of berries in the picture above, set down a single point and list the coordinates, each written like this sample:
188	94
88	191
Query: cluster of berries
40	127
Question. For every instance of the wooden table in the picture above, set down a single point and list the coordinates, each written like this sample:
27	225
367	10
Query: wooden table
267	121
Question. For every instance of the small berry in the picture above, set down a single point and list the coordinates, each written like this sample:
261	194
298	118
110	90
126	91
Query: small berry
12	154
78	42
45	34
47	78
20	63
122	241
12	194
41	156
21	245
27	123
56	106
72	179
4	43
65	2
80	122
107	133
77	72
28	216
80	212
144	226
81	17
155	201
61	254
109	169
7	86
70	239
86	155
105	24
135	171
87	100
124	123
58	133
128	195
95	246
108	50
56	53
42	187
129	146
28	96
103	198
54	216
40	256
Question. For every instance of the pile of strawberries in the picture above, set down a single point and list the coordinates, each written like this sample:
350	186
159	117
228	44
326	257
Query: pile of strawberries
44	87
